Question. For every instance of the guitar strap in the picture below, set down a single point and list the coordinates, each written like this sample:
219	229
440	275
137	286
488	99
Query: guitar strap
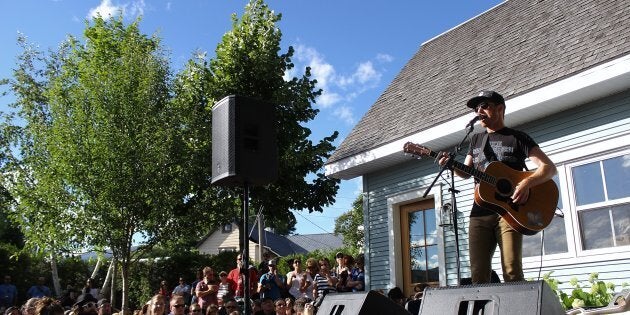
487	150
489	153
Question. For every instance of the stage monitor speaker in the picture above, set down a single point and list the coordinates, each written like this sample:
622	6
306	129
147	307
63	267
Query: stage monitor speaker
522	298
359	303
244	149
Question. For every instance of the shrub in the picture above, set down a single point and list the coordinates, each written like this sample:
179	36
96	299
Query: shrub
599	294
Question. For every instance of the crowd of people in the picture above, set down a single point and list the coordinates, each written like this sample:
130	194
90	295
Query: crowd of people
300	291
297	292
40	301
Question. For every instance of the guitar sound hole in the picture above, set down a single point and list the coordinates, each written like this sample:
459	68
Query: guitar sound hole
504	187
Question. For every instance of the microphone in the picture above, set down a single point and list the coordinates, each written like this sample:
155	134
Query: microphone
474	120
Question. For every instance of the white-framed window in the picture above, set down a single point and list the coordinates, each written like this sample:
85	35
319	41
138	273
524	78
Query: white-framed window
595	201
601	198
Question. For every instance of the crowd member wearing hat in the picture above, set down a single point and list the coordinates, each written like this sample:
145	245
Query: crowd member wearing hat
271	282
86	304
339	264
487	229
86	299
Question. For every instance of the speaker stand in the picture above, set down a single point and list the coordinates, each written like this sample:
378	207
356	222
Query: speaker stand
245	249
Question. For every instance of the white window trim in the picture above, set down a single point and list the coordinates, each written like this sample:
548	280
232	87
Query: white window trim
394	202
575	209
565	160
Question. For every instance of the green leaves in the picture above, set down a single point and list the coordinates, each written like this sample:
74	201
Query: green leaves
107	143
350	225
598	295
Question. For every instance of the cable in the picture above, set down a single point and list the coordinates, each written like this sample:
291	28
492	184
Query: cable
542	243
312	222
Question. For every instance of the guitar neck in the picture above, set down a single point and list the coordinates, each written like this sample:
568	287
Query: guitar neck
468	170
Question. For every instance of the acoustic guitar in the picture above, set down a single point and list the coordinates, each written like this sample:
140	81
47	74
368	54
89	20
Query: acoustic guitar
496	185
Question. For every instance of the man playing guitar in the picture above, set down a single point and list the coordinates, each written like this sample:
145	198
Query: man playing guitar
487	229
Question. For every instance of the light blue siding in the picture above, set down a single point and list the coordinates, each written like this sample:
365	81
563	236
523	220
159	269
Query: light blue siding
583	125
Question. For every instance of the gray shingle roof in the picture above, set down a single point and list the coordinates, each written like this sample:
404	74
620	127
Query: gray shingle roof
516	47
297	244
313	242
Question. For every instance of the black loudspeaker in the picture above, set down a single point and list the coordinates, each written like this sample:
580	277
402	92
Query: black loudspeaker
522	298
244	149
359	303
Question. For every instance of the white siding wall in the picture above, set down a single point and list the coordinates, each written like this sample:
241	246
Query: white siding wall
217	240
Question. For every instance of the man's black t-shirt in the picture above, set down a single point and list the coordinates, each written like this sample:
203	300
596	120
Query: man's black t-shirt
507	145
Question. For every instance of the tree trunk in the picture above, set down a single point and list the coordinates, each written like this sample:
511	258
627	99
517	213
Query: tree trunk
99	262
113	284
125	286
55	275
106	282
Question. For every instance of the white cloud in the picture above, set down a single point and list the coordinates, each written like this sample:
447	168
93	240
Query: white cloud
345	113
136	8
366	73
327	99
384	58
107	10
338	89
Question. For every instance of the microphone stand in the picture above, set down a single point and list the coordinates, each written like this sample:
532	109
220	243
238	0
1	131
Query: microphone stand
453	191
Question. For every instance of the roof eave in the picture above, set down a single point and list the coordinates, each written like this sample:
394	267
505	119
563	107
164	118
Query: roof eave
606	79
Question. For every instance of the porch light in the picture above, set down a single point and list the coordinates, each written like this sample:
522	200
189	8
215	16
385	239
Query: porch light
446	217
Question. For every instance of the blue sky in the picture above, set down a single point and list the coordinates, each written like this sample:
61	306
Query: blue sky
355	48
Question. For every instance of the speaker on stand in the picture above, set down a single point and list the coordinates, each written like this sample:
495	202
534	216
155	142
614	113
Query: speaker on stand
244	153
244	148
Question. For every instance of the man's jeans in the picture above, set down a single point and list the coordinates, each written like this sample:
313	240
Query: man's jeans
484	233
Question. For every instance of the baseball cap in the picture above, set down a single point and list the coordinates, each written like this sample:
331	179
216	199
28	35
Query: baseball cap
485	95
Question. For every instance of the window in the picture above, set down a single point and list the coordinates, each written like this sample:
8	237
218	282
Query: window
226	228
598	193
602	201
227	249
555	237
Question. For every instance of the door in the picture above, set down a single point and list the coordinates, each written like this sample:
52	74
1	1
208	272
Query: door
419	245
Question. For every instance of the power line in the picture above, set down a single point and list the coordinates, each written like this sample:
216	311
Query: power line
305	218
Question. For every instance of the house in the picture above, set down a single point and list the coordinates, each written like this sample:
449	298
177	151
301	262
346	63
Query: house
564	69
227	239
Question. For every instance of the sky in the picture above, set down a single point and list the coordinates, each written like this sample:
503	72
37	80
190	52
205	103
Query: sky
354	47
